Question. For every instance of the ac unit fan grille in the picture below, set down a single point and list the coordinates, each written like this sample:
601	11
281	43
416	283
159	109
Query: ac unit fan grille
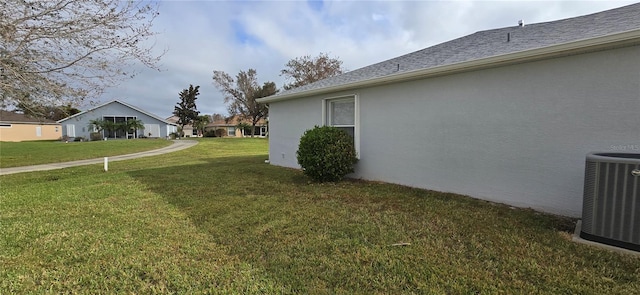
611	205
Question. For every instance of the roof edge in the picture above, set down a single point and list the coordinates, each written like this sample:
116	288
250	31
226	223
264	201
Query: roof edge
83	112
580	46
120	102
29	123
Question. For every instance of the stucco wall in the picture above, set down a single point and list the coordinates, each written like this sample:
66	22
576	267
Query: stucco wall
26	131
81	121
516	134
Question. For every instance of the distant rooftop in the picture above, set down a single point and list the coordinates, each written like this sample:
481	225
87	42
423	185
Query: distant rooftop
12	117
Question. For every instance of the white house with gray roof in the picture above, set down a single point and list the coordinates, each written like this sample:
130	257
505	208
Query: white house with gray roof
116	111
506	115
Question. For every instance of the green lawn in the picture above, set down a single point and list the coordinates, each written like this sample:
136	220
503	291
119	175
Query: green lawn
215	218
14	154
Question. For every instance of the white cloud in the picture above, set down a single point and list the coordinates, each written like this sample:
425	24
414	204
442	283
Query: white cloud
203	36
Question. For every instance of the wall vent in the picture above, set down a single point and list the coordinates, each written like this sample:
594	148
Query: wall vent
611	204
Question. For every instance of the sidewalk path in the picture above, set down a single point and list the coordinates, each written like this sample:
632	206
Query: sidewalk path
176	146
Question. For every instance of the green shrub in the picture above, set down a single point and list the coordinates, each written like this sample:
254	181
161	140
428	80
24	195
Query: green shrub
95	136
209	133
326	153
221	132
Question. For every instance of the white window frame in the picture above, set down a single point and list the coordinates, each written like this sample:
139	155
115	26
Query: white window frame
263	131
71	130
38	131
356	119
170	129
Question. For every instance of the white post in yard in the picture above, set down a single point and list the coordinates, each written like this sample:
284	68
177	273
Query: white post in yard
106	164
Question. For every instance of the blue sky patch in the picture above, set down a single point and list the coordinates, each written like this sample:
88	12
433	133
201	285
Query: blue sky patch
242	36
316	4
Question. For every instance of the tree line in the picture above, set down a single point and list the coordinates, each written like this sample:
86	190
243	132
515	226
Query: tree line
240	92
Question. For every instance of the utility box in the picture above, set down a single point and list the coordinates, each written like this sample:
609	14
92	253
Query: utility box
611	204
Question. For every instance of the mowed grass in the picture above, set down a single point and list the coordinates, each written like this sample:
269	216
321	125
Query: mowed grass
15	154
216	219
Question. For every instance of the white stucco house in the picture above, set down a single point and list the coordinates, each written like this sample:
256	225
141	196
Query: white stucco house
118	112
505	115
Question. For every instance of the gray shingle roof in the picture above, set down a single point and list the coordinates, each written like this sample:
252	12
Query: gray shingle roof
122	103
491	43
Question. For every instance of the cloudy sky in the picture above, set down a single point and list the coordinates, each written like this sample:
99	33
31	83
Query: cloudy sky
202	36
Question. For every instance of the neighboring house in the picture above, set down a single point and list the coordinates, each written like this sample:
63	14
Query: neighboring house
19	127
118	112
231	126
506	115
188	130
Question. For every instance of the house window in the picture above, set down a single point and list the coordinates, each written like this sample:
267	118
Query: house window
38	131
71	130
231	131
3	125
263	131
342	113
194	132
115	132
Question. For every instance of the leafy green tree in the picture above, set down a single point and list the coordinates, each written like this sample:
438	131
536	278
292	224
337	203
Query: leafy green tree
104	125
186	109
201	122
306	69
38	110
61	112
97	124
134	125
240	95
112	127
244	127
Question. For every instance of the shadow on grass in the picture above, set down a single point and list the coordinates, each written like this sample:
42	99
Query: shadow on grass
223	176
334	237
249	176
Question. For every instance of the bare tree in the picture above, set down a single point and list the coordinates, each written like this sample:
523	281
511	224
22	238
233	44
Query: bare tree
217	117
58	52
240	95
306	69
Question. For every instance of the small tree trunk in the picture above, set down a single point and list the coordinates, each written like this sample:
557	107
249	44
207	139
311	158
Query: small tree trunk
253	129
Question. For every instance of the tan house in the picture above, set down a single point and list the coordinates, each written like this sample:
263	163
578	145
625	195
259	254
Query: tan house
188	130
232	127
19	127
